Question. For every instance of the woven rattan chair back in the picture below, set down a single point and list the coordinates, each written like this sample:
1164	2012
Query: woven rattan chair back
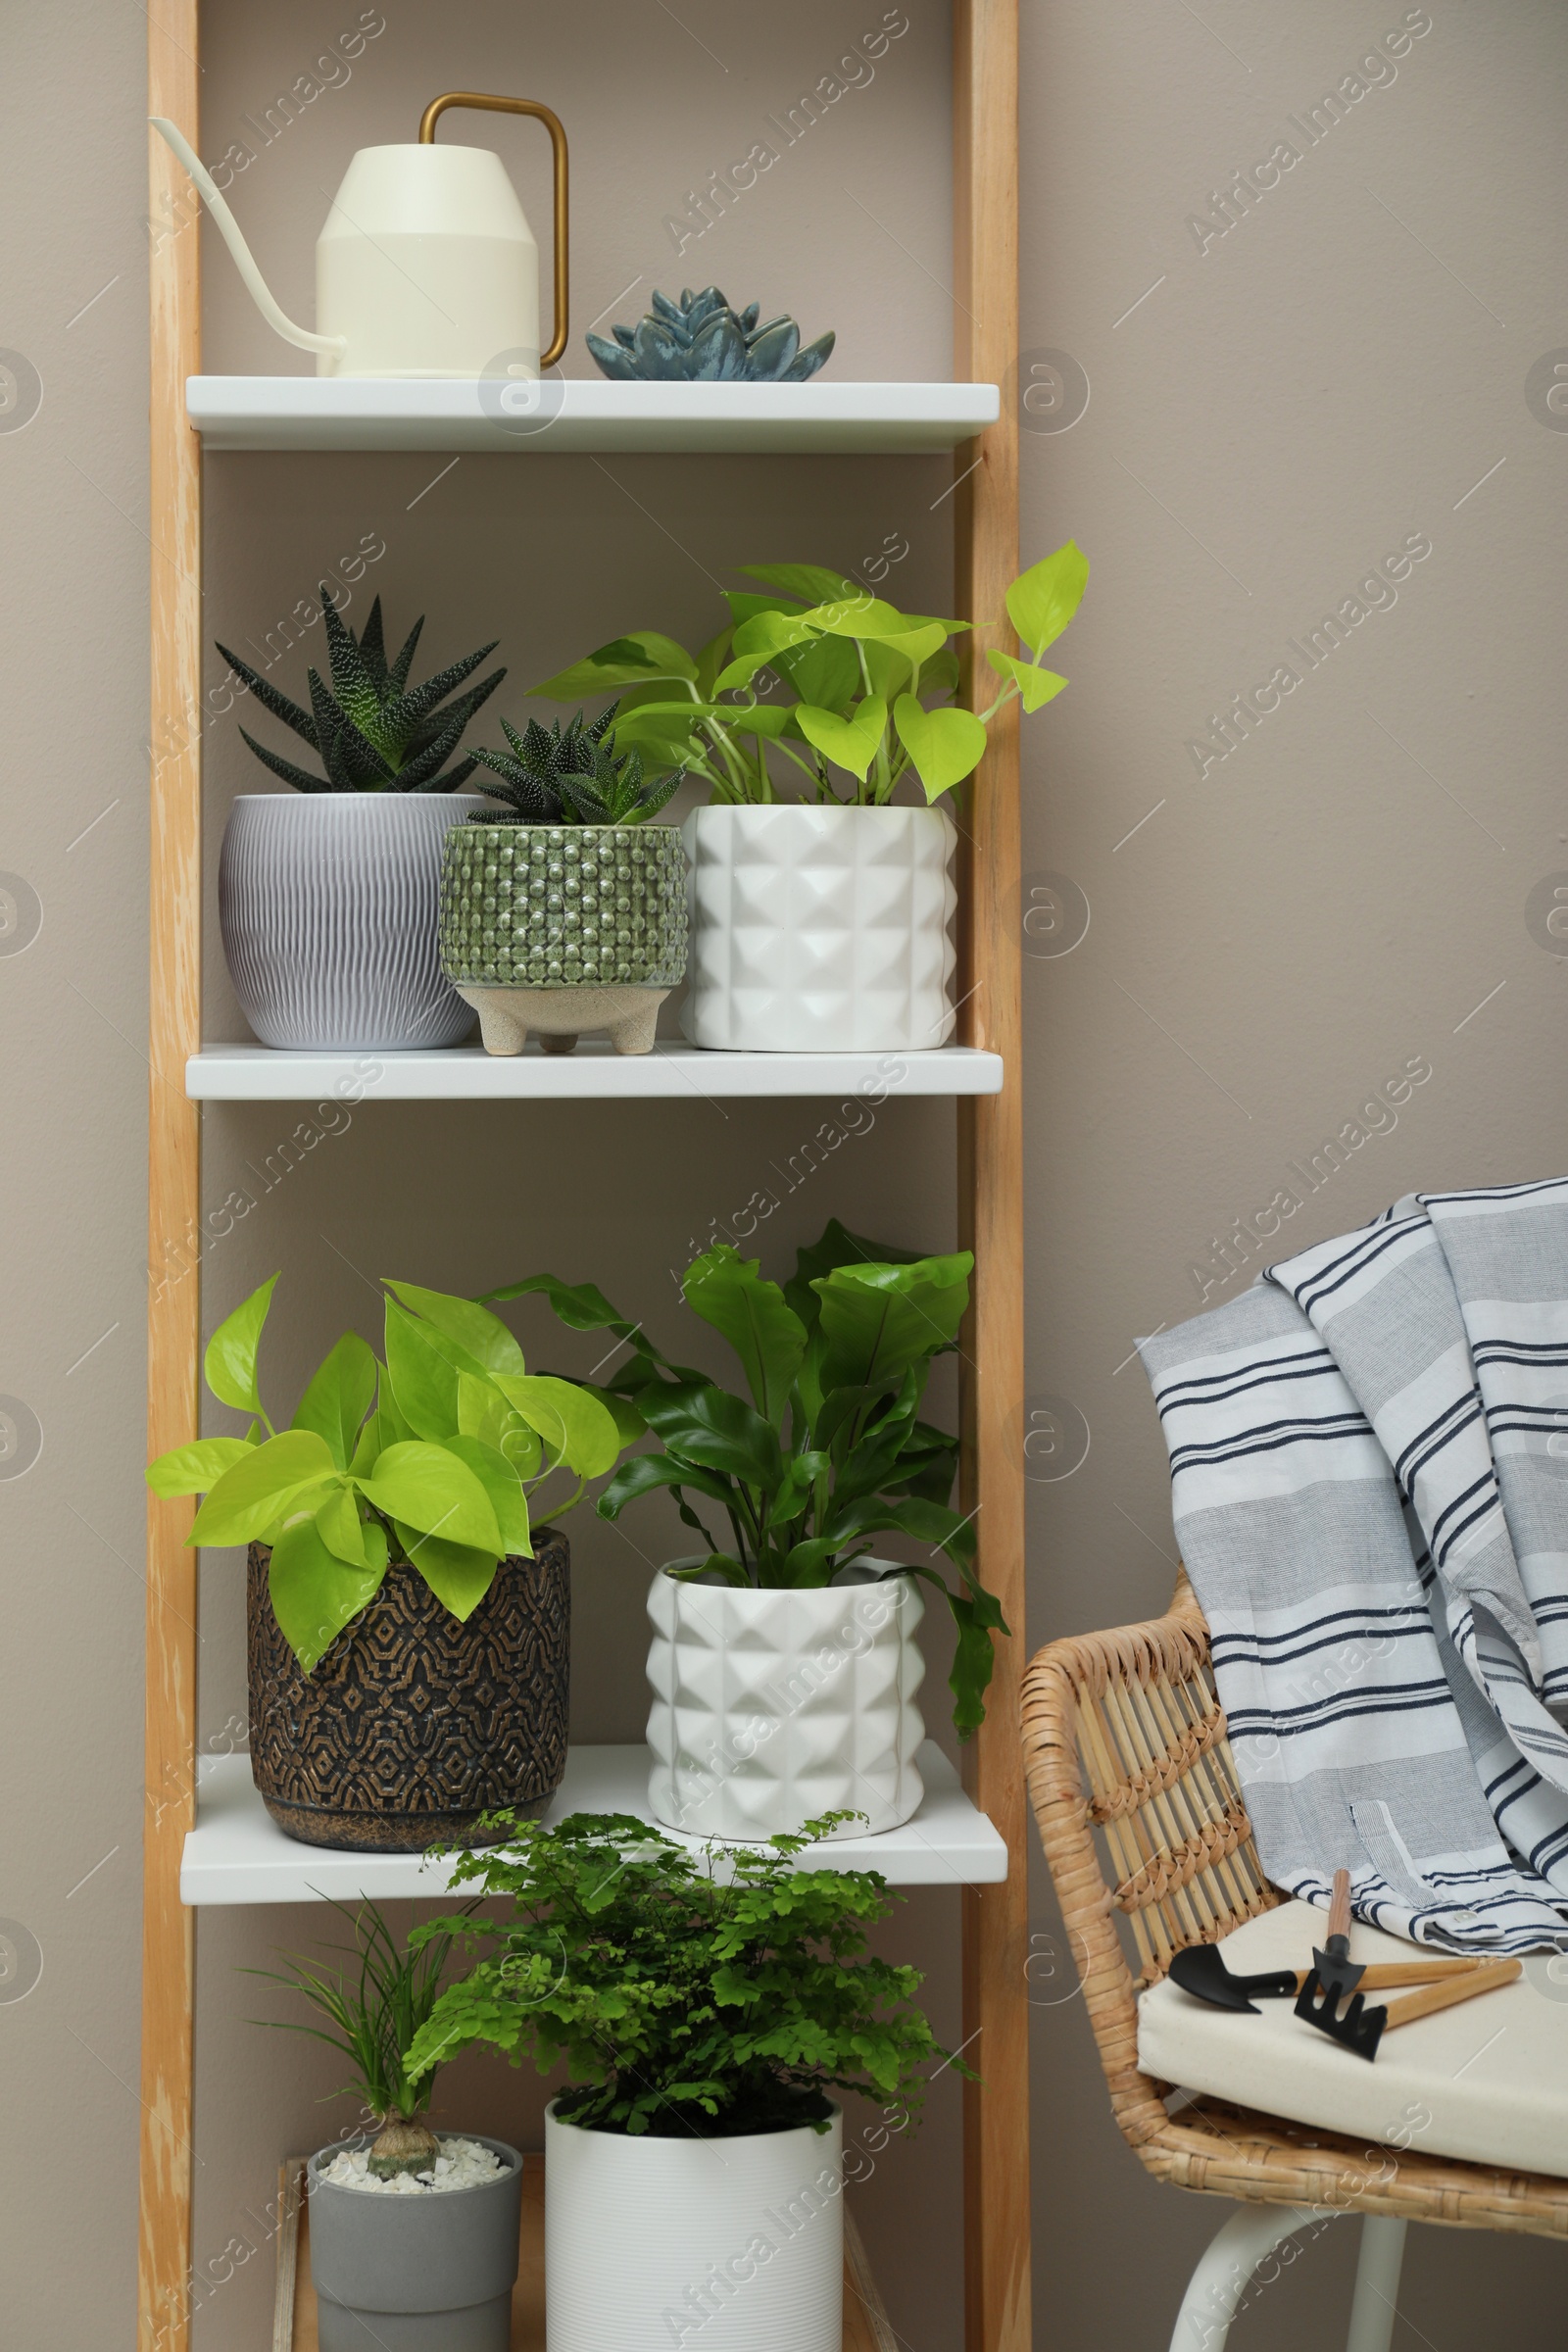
1142	1819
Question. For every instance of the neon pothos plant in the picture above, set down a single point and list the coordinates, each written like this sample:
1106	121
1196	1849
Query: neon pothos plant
434	1456
845	688
684	2002
829	1449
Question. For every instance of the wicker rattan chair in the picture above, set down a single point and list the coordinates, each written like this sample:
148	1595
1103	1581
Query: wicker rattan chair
1140	1813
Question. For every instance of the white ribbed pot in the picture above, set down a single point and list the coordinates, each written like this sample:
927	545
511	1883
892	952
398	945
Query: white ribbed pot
328	903
722	2246
820	930
770	1707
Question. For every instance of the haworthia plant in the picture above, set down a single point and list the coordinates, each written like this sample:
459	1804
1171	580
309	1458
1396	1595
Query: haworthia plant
370	730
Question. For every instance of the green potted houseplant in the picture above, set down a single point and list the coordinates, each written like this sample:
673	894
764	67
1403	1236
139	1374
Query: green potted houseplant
784	1664
413	2236
409	1622
705	2009
327	891
822	898
565	908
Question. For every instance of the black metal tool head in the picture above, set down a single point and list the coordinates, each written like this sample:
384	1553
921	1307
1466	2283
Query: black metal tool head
1200	1970
1357	2027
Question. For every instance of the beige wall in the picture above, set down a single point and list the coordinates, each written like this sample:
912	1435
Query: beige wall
1324	905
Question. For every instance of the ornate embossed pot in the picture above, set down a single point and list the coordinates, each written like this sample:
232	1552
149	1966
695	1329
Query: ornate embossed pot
414	1725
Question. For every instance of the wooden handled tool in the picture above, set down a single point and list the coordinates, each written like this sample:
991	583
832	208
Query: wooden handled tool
1482	1976
1361	2029
1334	1968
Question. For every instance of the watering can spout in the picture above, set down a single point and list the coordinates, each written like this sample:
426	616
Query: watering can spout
257	286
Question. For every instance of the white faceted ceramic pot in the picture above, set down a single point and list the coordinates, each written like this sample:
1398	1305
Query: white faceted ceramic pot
729	2246
772	1707
330	903
820	930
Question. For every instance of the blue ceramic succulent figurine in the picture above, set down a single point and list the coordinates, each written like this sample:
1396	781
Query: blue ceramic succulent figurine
701	340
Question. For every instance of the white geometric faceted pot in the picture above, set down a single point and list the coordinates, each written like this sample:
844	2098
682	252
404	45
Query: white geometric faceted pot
771	1707
721	2245
328	904
820	930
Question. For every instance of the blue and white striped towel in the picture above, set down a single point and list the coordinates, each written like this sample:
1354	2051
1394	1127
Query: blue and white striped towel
1369	1463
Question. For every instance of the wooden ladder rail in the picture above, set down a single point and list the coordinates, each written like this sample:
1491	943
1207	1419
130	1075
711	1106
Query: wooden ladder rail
174	1206
996	1919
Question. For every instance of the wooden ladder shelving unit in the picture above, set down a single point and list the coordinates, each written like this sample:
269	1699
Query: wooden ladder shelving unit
990	1189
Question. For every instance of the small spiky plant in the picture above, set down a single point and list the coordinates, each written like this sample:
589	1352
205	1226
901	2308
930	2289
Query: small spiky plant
571	776
372	2020
371	734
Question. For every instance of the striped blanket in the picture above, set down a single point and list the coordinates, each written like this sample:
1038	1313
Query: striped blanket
1369	1464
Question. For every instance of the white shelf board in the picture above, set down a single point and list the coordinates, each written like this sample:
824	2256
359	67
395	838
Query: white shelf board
672	1072
581	415
237	1854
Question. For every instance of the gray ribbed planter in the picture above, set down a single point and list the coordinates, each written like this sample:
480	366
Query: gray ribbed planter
561	928
430	2274
327	902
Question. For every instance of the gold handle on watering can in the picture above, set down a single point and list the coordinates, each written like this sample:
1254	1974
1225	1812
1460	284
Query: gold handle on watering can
488	104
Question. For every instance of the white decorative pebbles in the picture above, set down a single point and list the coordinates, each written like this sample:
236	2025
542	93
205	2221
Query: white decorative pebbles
462	2164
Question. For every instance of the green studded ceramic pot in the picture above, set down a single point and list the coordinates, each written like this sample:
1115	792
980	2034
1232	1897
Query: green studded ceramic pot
550	906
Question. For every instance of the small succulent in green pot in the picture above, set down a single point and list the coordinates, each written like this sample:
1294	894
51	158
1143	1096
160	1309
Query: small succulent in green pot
565	908
408	1615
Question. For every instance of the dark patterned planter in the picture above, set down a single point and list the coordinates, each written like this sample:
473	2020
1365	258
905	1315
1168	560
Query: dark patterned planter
413	1725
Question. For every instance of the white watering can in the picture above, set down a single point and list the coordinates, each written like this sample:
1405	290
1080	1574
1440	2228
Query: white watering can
426	266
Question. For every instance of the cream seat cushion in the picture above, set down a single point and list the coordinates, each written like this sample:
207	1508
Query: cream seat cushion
1487	2080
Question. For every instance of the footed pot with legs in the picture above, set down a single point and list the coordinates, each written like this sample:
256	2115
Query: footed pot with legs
565	910
409	1626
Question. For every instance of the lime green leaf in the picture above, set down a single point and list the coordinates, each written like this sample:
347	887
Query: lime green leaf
917	646
628	1419
231	1352
314	1596
946	746
811	582
480	1333
435	1492
849	743
458	1575
342	1530
575	1427
501	1482
484	1413
710	660
423	1381
624	662
252	1496
340	1395
1043	600
192	1469
857	613
1037	686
